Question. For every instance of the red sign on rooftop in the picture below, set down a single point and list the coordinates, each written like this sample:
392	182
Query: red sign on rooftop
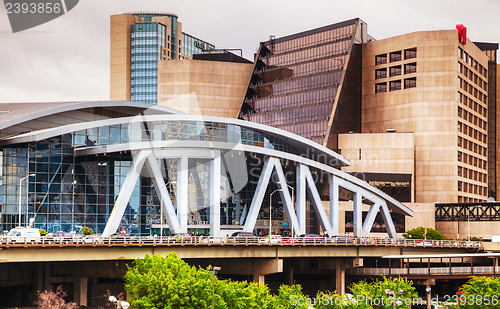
462	33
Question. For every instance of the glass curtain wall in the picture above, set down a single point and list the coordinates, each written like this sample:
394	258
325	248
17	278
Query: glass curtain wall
296	81
147	42
70	191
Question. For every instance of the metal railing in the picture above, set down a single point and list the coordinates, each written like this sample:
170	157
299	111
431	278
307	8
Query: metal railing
454	270
220	240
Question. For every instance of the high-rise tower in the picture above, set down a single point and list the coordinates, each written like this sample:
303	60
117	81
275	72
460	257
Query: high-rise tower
138	41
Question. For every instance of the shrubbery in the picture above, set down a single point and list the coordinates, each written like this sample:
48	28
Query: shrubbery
418	233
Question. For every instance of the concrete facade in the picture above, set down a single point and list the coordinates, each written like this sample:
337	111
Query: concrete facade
379	153
422	96
209	88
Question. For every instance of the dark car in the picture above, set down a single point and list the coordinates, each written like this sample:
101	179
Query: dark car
243	237
59	237
311	238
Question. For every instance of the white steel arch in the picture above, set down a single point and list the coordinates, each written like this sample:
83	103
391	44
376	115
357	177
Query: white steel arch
177	218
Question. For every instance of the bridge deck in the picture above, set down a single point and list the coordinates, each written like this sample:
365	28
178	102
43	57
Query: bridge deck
129	248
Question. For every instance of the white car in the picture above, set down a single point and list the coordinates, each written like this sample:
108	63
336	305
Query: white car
214	240
271	239
23	235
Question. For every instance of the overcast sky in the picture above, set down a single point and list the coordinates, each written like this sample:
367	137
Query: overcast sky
67	59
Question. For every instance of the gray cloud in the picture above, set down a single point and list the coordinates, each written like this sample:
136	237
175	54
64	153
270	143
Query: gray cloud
68	58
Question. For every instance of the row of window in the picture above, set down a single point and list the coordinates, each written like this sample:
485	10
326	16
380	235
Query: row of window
304	84
471	146
304	114
409	53
396	85
473	91
472	62
471	188
396	70
473	105
472	174
466	199
471	118
473	77
470	131
296	99
308	54
311	40
471	160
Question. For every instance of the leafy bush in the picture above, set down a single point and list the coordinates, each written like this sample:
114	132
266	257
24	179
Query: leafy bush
87	231
42	232
480	292
169	282
418	233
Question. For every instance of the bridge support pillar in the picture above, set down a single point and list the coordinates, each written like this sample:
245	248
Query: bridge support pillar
260	279
340	280
289	275
47	276
340	266
266	267
80	290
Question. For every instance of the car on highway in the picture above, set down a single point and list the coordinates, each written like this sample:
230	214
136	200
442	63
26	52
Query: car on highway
311	238
214	240
242	237
179	237
342	239
23	235
291	240
271	239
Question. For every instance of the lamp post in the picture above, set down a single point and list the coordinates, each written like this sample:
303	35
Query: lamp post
120	304
20	189
270	210
213	270
468	221
293	206
161	207
393	294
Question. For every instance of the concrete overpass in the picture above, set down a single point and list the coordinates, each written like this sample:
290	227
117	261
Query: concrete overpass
83	267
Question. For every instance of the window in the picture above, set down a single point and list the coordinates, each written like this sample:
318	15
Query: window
381	73
411	53
380	59
380	87
410	82
410	68
395	85
395	56
395	71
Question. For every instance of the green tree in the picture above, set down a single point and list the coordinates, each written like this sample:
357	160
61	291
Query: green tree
330	300
169	282
42	232
87	231
480	292
418	233
291	296
366	294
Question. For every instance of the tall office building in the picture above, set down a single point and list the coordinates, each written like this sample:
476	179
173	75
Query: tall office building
433	90
309	83
138	41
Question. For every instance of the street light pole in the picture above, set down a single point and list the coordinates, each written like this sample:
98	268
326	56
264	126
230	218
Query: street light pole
20	189
270	209
293	207
213	270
